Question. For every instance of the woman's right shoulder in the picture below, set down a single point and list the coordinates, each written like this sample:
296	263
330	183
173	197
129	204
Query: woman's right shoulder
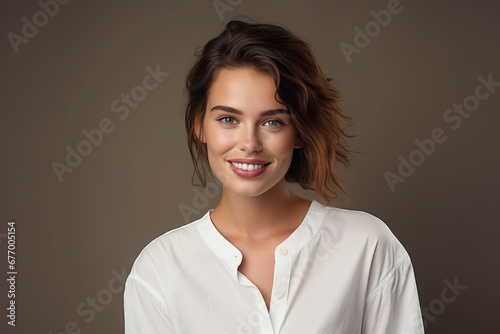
167	246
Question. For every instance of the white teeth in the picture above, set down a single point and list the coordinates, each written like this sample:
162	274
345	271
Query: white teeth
249	167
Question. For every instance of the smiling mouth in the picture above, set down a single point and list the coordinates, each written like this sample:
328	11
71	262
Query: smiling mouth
248	167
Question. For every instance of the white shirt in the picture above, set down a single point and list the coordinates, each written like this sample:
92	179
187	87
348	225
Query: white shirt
340	271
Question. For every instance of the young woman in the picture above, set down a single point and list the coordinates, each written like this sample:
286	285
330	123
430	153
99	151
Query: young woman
262	114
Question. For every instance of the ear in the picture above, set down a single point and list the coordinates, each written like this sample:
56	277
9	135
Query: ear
298	142
198	129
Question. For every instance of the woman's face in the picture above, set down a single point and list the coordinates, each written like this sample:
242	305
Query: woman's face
249	135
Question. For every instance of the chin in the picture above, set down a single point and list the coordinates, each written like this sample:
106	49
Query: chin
250	189
247	191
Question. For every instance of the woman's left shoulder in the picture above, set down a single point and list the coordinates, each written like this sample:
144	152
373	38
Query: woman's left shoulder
357	226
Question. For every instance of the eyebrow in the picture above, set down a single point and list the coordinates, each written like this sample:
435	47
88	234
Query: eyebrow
238	112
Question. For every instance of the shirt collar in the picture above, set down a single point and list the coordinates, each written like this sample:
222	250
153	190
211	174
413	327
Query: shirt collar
219	245
304	232
293	244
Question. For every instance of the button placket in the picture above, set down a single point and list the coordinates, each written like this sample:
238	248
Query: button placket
280	288
263	314
279	295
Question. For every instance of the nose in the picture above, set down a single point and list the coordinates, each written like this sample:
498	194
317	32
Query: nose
249	141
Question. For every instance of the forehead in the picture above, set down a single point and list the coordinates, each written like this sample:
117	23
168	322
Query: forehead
243	88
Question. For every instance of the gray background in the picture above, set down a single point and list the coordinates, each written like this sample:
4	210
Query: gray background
72	235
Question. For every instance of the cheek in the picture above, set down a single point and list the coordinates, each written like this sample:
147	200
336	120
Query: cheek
219	141
283	146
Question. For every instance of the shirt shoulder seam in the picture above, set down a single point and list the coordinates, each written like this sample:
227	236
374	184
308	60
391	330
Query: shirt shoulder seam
404	259
148	287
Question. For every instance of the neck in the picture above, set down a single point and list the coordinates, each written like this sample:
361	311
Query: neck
275	212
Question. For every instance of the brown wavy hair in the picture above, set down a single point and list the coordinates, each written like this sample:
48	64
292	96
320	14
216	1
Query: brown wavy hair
301	86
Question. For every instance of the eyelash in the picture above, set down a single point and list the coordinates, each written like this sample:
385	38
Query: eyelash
222	118
280	123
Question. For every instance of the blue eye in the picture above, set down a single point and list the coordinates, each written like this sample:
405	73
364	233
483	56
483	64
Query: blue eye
226	120
273	123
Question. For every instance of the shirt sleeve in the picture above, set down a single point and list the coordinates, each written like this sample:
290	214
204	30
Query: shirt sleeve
144	309
392	307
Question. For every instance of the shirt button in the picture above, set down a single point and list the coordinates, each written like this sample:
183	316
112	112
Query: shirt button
283	251
279	294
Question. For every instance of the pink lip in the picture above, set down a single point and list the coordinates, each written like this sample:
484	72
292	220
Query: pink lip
249	161
249	173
